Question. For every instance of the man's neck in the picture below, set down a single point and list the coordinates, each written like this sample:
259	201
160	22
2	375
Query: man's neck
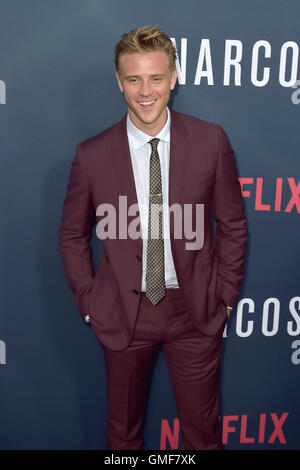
151	129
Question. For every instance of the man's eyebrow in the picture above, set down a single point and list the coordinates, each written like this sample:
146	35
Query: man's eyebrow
152	75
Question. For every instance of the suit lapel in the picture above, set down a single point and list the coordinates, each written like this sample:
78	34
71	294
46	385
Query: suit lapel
124	171
178	149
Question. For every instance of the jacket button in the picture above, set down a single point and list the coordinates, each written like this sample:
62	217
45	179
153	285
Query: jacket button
135	291
139	257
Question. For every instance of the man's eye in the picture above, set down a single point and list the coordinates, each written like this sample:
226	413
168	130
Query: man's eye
156	79
133	80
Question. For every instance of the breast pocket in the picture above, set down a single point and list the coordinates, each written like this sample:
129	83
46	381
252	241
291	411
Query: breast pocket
199	179
197	190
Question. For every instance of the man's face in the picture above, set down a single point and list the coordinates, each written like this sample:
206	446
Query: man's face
146	81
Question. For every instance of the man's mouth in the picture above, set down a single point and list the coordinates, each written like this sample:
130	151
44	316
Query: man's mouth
146	103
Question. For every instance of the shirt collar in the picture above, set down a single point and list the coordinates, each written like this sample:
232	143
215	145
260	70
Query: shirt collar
139	139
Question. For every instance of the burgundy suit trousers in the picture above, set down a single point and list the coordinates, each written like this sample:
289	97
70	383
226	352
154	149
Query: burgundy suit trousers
193	361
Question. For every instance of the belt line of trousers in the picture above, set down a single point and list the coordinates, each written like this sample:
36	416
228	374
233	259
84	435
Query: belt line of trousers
193	361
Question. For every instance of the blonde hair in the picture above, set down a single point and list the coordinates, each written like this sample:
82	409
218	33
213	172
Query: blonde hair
145	39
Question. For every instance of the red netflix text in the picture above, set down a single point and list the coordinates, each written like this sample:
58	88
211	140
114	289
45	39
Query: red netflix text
269	428
254	187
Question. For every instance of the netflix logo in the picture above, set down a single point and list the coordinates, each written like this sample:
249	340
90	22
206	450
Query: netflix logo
254	188
267	428
239	424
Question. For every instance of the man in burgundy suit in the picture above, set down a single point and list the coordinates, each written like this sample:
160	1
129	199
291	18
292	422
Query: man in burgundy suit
155	287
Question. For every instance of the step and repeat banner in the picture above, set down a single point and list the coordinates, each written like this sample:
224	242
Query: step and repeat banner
238	66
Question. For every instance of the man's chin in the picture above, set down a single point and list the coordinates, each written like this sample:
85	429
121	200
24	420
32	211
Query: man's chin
148	118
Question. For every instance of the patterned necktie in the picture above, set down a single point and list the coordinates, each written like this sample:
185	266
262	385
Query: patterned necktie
155	271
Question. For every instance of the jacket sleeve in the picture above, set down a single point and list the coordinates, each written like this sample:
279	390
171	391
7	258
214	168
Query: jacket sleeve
75	231
231	222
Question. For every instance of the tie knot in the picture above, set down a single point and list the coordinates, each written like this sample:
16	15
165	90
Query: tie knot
154	143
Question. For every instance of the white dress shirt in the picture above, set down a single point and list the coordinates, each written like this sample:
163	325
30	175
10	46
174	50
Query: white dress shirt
140	151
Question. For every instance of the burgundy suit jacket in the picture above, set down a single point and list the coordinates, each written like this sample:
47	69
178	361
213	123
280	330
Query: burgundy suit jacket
202	171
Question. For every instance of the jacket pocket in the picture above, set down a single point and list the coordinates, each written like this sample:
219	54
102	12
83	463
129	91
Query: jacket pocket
208	255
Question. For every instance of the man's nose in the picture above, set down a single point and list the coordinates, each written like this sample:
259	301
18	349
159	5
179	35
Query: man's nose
145	88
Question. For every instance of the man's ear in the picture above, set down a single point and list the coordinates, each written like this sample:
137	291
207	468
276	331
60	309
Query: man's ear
119	82
173	79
